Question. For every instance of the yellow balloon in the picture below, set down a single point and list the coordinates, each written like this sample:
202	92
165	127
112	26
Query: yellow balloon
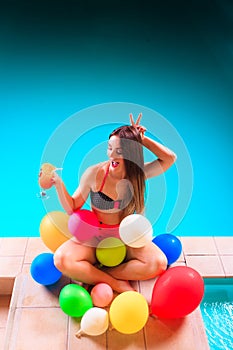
54	229
111	251
129	312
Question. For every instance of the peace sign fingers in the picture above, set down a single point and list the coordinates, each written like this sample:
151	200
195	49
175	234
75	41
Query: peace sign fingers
133	123
137	125
138	119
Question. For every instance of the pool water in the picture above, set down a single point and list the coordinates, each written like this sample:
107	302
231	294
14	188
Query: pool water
217	312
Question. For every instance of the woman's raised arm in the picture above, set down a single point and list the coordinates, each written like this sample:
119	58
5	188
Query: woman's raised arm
165	157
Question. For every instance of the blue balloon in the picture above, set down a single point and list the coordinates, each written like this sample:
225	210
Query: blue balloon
170	246
44	271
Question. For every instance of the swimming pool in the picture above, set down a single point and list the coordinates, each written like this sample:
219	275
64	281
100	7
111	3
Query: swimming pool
217	312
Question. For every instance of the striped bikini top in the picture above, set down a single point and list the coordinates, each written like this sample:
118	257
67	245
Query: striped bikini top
101	201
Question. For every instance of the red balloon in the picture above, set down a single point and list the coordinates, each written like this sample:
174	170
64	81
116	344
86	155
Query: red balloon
177	292
83	224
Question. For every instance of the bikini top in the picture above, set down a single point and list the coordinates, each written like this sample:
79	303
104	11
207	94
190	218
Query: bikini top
101	201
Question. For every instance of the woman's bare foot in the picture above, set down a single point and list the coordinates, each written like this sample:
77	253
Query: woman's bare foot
122	286
119	286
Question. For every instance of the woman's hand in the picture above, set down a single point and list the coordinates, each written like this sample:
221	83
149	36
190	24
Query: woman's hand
55	179
137	125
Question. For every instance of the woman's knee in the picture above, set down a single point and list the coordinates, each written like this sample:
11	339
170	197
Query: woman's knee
69	255
156	265
161	264
59	259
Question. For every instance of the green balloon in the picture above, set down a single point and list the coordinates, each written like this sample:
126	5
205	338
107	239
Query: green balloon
75	300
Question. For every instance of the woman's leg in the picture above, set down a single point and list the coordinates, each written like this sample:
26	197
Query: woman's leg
141	263
76	261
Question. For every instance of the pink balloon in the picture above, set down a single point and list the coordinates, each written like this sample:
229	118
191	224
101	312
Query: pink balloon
83	224
177	292
102	295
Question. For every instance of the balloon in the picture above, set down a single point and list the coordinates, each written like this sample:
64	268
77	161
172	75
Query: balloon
54	229
94	322
83	224
101	294
43	269
170	245
129	312
45	175
111	251
135	230
75	300
177	292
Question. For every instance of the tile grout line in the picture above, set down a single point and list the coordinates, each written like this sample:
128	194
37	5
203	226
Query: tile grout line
219	255
216	246
68	333
10	320
223	267
25	250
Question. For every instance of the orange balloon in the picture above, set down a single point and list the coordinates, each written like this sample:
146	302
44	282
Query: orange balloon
54	229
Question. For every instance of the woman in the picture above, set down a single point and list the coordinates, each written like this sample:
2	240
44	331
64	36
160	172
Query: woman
116	189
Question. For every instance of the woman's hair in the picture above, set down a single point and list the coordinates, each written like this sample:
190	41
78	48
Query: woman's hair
132	152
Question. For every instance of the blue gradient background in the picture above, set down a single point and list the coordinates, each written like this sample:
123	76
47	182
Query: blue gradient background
174	57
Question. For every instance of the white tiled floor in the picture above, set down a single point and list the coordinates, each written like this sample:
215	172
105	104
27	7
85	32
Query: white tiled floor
35	311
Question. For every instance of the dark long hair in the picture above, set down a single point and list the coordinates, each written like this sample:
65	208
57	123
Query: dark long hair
132	151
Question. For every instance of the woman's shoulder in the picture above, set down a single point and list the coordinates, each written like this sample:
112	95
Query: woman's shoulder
93	174
96	169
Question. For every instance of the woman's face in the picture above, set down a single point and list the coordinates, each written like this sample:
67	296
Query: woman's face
115	155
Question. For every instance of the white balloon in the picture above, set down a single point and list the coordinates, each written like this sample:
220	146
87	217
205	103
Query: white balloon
136	230
94	322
